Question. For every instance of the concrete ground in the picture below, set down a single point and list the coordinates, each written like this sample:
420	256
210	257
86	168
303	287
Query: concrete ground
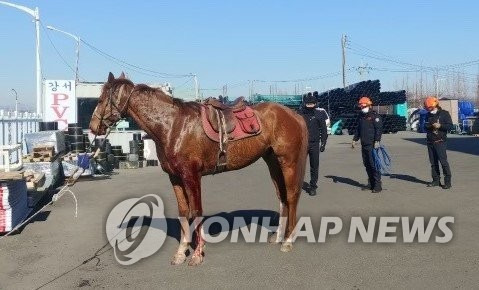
58	251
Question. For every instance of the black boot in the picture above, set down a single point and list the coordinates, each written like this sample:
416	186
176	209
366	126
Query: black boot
367	187
306	187
377	188
312	191
433	183
447	182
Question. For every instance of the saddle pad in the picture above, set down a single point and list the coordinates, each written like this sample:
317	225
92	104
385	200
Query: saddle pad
249	125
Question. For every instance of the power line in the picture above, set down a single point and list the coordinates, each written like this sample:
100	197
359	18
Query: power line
366	52
183	84
301	80
56	50
425	69
133	67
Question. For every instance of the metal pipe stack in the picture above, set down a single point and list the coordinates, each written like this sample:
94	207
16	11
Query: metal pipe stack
76	142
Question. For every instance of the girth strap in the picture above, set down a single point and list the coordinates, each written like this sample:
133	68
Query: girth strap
223	136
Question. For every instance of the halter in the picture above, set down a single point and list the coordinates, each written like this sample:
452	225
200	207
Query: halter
104	118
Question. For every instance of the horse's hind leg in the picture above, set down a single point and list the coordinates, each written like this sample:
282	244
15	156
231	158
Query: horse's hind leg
183	214
292	160
278	181
192	183
292	179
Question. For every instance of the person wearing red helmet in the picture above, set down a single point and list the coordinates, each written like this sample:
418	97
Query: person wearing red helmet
369	130
438	123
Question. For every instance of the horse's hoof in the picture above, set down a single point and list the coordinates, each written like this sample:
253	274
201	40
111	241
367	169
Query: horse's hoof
195	260
178	259
286	247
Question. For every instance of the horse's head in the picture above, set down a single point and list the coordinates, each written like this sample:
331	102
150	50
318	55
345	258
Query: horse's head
112	104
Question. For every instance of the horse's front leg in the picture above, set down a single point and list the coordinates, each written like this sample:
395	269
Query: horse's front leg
192	182
183	215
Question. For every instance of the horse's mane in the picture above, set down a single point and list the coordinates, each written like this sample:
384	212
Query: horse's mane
158	92
146	88
119	82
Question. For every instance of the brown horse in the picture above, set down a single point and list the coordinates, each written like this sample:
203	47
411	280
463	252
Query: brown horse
186	153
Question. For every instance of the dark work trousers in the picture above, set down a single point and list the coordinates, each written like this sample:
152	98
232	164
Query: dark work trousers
313	152
374	176
437	153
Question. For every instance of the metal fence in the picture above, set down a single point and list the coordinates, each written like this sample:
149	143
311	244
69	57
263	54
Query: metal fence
13	127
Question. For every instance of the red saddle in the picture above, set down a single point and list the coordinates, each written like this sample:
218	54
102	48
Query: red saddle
237	121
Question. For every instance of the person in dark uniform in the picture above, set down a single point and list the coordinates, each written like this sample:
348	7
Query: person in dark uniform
369	130
318	135
438	122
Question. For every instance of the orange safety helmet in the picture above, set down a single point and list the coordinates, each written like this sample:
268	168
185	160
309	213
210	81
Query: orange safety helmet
365	102
431	102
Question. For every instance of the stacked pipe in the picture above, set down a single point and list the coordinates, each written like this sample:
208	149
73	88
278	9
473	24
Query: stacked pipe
134	149
86	141
75	138
342	104
389	98
344	101
141	146
391	123
117	155
102	157
47	126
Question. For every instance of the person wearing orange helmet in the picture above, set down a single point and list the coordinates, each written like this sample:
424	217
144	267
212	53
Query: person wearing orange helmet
369	130
438	123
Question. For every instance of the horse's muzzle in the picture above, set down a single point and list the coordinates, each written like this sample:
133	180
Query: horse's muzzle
96	127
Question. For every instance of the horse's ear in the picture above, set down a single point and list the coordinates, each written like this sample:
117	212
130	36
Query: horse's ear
111	77
122	76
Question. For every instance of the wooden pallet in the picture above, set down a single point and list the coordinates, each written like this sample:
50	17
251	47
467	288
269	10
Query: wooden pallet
29	158
42	151
33	179
13	175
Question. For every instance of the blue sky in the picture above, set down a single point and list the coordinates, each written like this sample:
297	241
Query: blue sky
231	42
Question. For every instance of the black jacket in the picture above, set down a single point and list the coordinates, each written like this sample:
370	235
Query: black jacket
369	129
316	122
437	135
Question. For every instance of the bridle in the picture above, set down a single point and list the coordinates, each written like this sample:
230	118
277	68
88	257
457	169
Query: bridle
105	118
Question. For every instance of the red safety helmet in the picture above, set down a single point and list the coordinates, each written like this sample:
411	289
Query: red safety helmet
430	103
365	102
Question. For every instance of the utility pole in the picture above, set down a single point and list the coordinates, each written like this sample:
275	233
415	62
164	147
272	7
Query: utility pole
35	13
225	91
77	49
363	70
197	89
16	103
343	47
250	91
